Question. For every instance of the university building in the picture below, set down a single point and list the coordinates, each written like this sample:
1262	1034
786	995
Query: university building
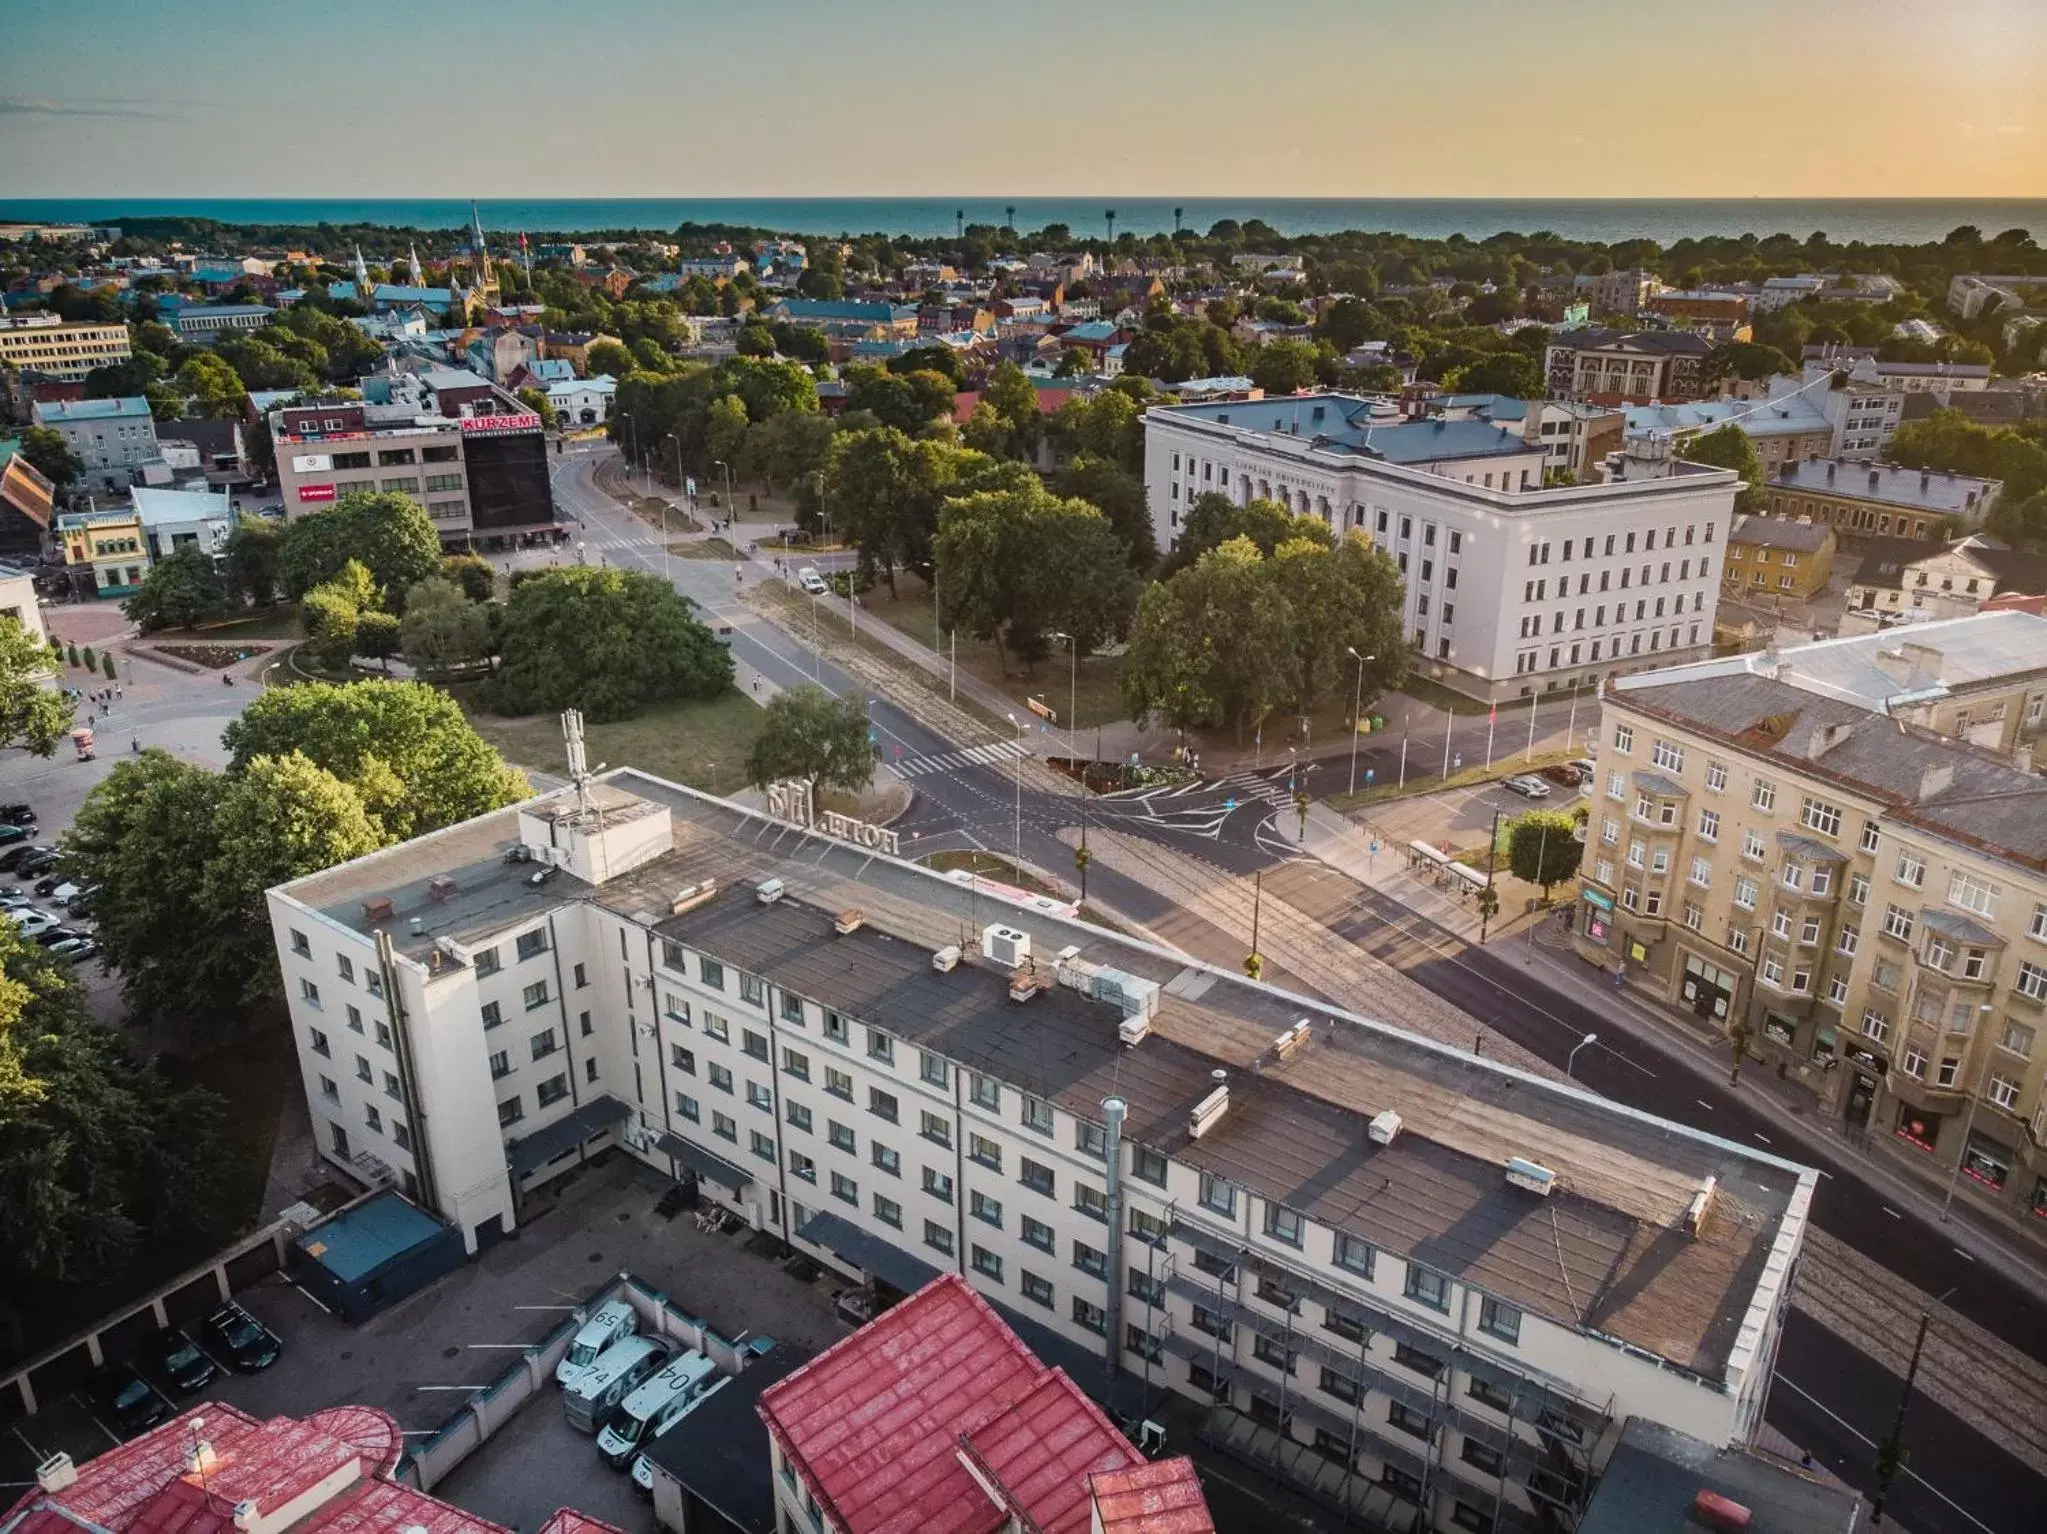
44	345
1511	588
1411	1282
1839	851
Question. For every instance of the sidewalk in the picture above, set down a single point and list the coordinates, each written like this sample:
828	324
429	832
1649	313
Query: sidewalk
1544	947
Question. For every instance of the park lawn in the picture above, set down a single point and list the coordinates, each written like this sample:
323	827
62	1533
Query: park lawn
1096	692
701	744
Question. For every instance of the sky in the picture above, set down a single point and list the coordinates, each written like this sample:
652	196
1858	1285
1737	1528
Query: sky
904	98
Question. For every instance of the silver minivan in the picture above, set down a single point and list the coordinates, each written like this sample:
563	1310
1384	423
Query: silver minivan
656	1406
590	1395
610	1323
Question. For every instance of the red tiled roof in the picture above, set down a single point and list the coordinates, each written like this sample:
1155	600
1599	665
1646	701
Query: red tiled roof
566	1520
1041	1451
1160	1498
876	1423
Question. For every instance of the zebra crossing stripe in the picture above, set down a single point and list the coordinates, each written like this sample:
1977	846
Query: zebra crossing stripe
970	756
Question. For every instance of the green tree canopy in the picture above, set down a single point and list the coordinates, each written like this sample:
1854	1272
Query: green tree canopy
1283	366
1729	447
403	747
50	455
811	735
1214	519
605	641
443	630
609	357
1542	848
1512	373
32	716
1748	360
1949	440
179	591
388	533
1118	495
253	550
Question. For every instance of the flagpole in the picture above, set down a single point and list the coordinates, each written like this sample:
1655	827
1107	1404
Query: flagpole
1531	728
1491	717
1403	749
1571	729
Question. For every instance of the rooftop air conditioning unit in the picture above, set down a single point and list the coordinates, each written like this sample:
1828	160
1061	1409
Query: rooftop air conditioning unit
1291	1040
1133	1029
690	896
1702	1201
1210	1108
768	891
947	959
849	921
1522	1173
1007	946
1384	1128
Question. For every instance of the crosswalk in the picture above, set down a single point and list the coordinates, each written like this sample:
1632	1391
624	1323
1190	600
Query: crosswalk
999	751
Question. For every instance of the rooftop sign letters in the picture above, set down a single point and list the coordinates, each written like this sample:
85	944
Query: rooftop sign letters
791	800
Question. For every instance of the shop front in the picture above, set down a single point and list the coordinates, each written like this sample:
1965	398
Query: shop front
1866	1072
1919	1128
1707	989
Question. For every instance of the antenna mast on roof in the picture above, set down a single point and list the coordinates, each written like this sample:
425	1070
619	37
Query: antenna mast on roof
579	764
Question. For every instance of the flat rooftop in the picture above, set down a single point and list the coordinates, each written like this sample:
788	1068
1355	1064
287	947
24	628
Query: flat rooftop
1883	484
1606	1252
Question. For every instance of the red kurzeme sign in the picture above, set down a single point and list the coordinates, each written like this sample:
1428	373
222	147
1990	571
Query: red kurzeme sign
499	425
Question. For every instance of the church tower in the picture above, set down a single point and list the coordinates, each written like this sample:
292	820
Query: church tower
363	287
412	271
483	284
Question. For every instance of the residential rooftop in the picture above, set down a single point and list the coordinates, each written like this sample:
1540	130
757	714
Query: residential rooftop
1780	533
66	412
1348	423
1598	1255
1885	484
1652	1482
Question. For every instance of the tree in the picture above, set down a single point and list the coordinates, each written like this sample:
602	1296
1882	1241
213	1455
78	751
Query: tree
1512	373
1214	519
1283	366
472	573
1948	440
1118	495
1543	848
806	733
905	401
443	629
609	357
252	559
216	391
405	748
1211	646
389	534
376	635
536	400
331	613
1014	565
1344	599
50	455
605	641
1013	401
883	491
1747	360
32	716
179	591
725	430
1729	448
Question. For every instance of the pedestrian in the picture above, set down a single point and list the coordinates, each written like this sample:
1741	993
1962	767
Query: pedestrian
756	687
1620	973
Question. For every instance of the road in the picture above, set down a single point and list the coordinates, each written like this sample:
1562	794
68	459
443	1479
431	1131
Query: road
1831	1398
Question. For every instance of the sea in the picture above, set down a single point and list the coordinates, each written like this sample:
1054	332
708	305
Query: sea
1843	221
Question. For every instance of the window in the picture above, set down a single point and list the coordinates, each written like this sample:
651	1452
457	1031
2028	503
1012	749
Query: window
720	1077
1148	1228
845	1189
1035	1175
551	1091
1283	1224
319	1043
1496	1318
986	1263
725	1127
886	1159
309	991
1090	1140
687	1107
500	1065
1745	893
1426	1287
751	990
798	1116
753	1045
1037	1114
1038	1234
2032	982
345	968
835	1028
1971	893
1911	869
1215	1267
1090	1259
1212	1324
1817	815
985	1151
1765	795
792	1008
932	1068
1709	824
1914	1063
2003	1091
299	945
1273	1351
510	1111
935	1127
763	1145
1410	1357
1623	738
1897	923
796	1064
1869	836
1752	846
1089	1316
1669	755
802	1166
1404	1417
1146	1165
531	943
2016	1039
881	1104
838	1083
1858	889
888	1211
542	1044
938	1184
1218	1195
982	1207
1716	776
985	1091
1035	1289
1702	872
938	1237
710	973
880	1046
1487	1393
535	995
1091	1202
1950	1067
840	1135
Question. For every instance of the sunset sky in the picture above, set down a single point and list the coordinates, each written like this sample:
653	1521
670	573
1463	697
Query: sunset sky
1318	98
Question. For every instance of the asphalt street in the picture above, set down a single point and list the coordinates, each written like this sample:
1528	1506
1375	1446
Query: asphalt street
1830	1397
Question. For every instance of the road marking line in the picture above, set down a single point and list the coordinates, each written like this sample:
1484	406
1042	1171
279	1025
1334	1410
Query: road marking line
1965	1256
38	1453
1760	1136
1864	1438
1887	1209
1703	1104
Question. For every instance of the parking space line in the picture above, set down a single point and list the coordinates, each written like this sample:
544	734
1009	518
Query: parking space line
451	1387
38	1453
516	1347
1965	1256
112	1436
1887	1209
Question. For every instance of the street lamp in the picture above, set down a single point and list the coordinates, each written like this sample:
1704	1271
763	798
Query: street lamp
719	463
1072	695
1890	1453
1357	703
667	559
1572	1058
1019	790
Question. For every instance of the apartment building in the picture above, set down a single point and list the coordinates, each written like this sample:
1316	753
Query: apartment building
1345	1242
1769	556
471	454
1720	316
1787	427
1972	294
1951	581
1611	367
1879	499
113	438
45	344
1839	850
1510	588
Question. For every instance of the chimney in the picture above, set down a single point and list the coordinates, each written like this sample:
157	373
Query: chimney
1875	478
247	1515
57	1473
1925	481
1830	471
1934	780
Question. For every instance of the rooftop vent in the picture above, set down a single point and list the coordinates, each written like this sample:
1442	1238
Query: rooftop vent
440	887
691	896
851	920
57	1473
379	909
1007	946
247	1515
947	959
1291	1040
1875	478
1522	1173
1210	1108
1133	1030
1702	1201
1384	1128
768	891
1710	1510
417	925
540	876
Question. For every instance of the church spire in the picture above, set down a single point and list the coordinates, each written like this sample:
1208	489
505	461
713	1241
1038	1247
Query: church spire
412	266
362	275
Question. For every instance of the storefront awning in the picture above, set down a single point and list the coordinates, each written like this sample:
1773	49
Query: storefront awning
872	1255
565	1134
706	1164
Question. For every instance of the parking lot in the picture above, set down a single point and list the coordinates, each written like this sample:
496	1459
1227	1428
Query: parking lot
422	1359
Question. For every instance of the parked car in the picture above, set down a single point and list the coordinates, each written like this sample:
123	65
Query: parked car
1585	768
79	903
17	815
66	892
38	860
50	883
173	1356
11	857
1527	787
247	1342
49	937
1564	774
129	1399
31	922
77	949
10	832
811	581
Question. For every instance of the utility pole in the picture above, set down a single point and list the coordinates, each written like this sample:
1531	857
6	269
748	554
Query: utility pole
1489	897
1254	961
1891	1454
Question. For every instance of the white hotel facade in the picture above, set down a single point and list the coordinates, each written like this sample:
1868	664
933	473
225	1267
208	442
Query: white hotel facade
1511	589
1399	1276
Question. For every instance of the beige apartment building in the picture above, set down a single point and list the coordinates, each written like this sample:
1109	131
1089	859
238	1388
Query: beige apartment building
42	343
1841	848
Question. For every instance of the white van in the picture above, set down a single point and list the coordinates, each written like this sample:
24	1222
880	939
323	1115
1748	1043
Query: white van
610	1323
643	1468
589	1396
656	1406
